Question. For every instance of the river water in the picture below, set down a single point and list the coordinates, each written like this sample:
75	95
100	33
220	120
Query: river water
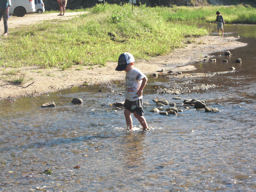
87	148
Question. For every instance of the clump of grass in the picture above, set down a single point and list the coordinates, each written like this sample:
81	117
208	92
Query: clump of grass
17	80
97	38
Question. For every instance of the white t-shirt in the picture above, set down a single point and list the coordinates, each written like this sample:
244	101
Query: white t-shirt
133	82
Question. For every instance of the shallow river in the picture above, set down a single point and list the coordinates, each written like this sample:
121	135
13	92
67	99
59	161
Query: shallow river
87	148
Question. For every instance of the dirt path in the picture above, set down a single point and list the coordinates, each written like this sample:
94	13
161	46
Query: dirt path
38	81
37	18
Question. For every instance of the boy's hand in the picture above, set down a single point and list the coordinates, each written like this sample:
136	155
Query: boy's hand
139	93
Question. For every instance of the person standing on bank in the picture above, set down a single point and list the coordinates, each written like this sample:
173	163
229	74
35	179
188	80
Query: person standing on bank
62	5
135	83
220	23
4	13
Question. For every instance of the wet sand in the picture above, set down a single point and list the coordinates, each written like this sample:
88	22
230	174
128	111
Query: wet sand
39	81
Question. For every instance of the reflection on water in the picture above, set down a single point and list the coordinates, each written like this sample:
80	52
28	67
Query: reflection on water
194	151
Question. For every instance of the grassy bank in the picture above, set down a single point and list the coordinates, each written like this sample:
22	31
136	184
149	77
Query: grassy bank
232	14
95	38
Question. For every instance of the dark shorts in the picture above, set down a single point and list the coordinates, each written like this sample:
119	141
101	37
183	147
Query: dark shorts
134	106
62	3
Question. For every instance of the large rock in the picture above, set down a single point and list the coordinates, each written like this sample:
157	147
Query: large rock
48	105
77	101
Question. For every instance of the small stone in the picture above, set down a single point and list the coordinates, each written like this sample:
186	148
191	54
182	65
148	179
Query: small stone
172	109
155	75
77	167
163	113
77	101
176	98
160	71
170	72
48	105
118	104
199	105
179	73
212	110
227	53
155	110
213	60
232	68
172	104
225	60
239	60
161	102
171	112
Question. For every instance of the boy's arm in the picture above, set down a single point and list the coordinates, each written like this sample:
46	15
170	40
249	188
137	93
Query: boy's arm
143	84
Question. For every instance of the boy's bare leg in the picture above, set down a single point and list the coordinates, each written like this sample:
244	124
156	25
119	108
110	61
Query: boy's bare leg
142	121
128	119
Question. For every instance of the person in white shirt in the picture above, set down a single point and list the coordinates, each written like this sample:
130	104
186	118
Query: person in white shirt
135	83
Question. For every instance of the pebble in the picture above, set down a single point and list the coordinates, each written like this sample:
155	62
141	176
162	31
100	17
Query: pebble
225	60
176	98
163	113
155	75
77	101
48	105
239	60
227	53
213	60
155	110
212	110
199	105
118	104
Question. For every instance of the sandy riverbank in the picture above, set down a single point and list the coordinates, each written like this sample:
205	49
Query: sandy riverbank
39	81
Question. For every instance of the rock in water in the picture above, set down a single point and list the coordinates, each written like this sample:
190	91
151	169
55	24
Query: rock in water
163	113
171	112
211	110
227	53
118	104
213	60
199	105
172	104
77	101
161	102
225	60
48	105
155	110
239	60
155	75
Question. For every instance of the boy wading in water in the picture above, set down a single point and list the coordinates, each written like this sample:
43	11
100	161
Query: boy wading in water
220	23
135	83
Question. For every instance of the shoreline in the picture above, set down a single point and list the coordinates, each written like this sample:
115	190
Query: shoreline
38	81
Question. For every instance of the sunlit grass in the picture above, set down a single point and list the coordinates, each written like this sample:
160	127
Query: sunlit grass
95	38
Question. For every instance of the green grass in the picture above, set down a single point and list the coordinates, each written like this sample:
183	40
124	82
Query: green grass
231	14
95	38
